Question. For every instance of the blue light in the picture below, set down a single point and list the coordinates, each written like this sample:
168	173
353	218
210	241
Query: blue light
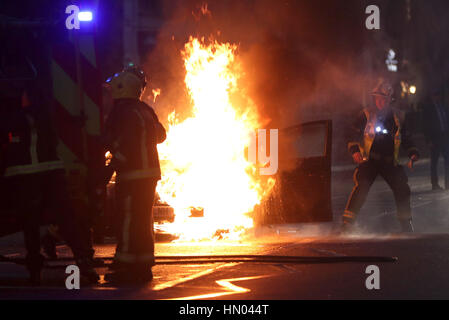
85	16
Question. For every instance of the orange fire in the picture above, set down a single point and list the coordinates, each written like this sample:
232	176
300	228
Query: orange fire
156	93
203	159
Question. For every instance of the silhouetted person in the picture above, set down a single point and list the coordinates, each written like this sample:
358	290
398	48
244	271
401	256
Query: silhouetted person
132	133
35	182
436	131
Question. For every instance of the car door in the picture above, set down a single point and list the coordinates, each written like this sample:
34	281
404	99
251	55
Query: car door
302	192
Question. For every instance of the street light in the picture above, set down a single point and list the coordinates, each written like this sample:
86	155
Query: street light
412	89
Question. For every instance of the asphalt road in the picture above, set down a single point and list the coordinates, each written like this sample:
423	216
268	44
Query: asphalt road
419	272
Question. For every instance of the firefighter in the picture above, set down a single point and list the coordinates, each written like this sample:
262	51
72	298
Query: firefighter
35	182
132	132
384	131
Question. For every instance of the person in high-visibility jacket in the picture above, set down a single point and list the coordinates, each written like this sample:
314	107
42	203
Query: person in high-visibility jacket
132	132
383	131
35	183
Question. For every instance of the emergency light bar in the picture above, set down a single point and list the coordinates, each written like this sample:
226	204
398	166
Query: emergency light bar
85	16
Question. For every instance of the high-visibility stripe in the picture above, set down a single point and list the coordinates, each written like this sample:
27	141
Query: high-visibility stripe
140	174
348	215
33	168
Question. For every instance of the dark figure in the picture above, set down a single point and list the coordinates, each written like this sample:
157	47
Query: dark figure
132	134
383	132
436	131
36	186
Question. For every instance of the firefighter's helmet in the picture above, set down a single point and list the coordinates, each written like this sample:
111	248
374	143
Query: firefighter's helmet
127	84
383	89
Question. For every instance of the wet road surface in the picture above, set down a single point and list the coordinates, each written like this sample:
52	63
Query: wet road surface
419	272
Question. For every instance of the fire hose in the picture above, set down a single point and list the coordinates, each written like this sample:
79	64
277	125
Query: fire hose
203	259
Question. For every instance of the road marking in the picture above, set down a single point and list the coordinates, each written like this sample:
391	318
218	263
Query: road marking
227	285
173	283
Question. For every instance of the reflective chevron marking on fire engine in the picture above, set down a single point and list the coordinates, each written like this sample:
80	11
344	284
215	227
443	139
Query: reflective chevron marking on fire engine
78	136
65	56
65	153
87	48
63	84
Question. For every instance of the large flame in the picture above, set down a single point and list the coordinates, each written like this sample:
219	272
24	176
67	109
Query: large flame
203	159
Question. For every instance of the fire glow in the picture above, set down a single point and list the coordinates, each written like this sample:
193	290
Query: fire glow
203	159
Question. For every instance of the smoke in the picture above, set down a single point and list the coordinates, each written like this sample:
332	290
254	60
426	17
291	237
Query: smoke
300	58
302	61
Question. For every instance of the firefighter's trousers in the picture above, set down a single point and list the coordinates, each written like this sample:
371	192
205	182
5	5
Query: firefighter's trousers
136	225
43	198
364	176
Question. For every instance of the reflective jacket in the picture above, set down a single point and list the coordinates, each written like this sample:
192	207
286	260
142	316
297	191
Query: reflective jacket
365	128
30	143
132	132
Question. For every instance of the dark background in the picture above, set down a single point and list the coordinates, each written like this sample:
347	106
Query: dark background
303	60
